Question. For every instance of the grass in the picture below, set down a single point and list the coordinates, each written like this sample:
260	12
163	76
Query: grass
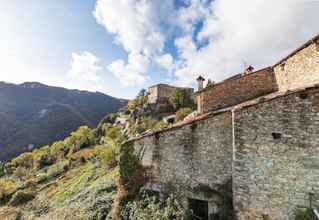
74	182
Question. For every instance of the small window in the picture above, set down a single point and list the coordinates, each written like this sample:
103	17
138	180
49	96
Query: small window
317	45
276	135
283	66
198	209
303	95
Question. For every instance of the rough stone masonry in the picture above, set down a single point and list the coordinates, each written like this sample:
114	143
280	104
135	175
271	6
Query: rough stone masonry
260	150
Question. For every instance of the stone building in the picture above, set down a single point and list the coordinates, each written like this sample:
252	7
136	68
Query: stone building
252	153
160	93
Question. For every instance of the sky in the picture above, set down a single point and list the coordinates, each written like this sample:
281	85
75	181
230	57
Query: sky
119	47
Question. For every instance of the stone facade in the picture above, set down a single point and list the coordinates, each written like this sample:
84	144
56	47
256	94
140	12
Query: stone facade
276	160
299	69
236	90
259	138
160	93
191	158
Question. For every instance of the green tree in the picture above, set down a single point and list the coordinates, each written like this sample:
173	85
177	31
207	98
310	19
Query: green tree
182	113
180	98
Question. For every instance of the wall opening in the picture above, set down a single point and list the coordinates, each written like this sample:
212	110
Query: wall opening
198	209
303	95
283	66
276	135
317	45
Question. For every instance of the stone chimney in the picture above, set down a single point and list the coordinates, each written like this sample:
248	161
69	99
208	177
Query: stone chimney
249	69
200	82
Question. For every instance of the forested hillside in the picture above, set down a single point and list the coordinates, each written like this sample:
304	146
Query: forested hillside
92	174
33	114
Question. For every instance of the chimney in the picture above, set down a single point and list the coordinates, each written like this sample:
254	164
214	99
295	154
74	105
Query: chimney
200	82
249	69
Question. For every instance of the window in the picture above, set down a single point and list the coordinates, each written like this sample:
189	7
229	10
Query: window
198	209
317	45
283	66
276	135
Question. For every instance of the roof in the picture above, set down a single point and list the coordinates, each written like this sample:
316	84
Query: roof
311	41
235	77
166	85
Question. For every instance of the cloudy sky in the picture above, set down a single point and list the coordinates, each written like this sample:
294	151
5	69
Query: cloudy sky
118	47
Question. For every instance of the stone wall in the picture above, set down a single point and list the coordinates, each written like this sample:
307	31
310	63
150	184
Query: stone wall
300	69
276	163
194	160
236	90
161	93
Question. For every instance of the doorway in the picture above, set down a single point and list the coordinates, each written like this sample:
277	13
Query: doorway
198	209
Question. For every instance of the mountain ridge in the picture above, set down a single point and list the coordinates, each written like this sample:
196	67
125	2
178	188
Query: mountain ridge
49	112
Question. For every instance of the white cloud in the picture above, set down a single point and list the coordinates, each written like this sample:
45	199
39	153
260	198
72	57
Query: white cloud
133	73
138	27
165	61
84	66
256	31
86	72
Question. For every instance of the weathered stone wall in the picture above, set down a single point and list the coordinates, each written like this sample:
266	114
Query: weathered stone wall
153	95
161	92
237	89
300	70
195	159
276	163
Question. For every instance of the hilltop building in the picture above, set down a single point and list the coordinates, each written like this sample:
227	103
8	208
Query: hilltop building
160	93
252	152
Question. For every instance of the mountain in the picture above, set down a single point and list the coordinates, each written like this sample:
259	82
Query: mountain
33	114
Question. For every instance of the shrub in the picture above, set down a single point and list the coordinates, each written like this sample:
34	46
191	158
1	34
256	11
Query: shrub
7	187
24	160
42	157
149	208
180	98
113	132
21	197
2	169
108	154
182	113
81	138
304	214
57	169
164	108
59	149
20	173
161	125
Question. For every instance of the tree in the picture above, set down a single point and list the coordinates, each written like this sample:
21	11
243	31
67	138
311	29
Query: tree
182	113
142	98
180	98
210	82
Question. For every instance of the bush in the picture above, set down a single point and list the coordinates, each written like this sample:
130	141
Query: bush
180	98
57	169
81	138
304	214
24	160
59	150
2	169
161	125
108	154
20	173
42	157
149	208
21	197
7	187
182	113
164	108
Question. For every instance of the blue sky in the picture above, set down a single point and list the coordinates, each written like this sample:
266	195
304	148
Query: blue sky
119	47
